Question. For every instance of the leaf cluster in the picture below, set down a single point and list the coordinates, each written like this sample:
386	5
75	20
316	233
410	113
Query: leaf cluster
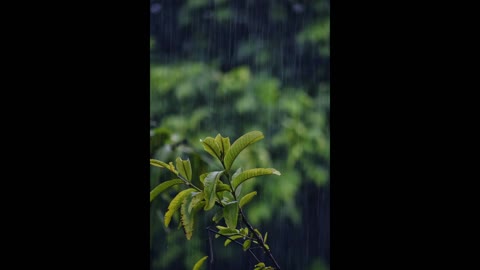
220	188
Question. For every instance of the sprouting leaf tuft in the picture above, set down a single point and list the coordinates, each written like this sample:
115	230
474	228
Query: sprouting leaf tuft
184	168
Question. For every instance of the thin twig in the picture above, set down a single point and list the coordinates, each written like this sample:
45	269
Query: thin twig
237	242
188	183
253	255
211	247
259	239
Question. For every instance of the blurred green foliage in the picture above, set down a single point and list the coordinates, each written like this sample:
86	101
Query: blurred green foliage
229	67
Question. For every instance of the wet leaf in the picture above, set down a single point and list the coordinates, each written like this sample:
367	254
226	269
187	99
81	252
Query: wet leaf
246	245
247	198
184	168
202	178
233	237
187	216
211	147
175	204
259	266
196	198
210	184
248	174
227	231
258	233
230	213
238	190
163	186
218	216
240	144
159	163
199	263
222	187
223	145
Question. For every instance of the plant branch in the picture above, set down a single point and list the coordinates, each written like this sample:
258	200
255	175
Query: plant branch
250	227
211	247
259	238
188	183
233	240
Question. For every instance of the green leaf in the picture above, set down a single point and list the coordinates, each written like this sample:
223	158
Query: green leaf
237	172
247	198
172	168
159	163
202	177
244	231
211	147
175	204
265	238
162	164
227	231
218	216
162	187
184	168
259	266
240	144
198	206
242	177
258	233
196	198
223	145
246	245
230	213
227	198
187	216
210	183
222	187
233	237
199	263
239	189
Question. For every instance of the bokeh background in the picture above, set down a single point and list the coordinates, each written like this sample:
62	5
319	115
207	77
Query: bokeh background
230	67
